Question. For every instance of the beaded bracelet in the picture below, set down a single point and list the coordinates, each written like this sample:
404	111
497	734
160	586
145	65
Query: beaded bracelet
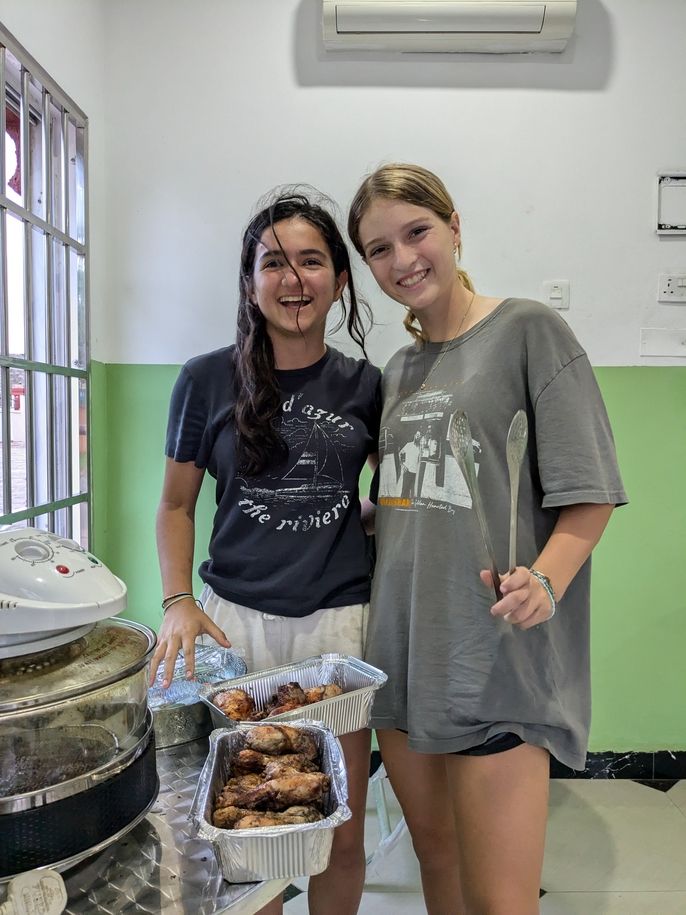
547	587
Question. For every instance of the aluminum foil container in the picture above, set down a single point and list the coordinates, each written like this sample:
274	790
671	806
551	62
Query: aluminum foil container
178	714
270	852
342	714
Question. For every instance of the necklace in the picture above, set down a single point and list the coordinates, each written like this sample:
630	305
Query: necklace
447	346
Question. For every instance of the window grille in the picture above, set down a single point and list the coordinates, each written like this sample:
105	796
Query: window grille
44	337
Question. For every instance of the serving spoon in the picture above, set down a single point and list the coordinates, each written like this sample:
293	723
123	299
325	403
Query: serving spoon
515	448
460	438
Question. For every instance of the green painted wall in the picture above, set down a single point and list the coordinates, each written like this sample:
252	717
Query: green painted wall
639	608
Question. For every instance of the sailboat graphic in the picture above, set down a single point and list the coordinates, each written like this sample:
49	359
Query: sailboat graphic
315	474
319	466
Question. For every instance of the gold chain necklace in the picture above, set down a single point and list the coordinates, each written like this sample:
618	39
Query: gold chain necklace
447	346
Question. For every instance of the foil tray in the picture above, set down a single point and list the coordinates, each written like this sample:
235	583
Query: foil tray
272	852
348	712
178	714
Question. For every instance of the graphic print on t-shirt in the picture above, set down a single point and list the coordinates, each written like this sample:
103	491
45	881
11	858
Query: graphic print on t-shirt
311	479
417	467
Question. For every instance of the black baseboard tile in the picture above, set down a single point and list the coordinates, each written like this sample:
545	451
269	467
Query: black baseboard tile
670	764
662	765
641	766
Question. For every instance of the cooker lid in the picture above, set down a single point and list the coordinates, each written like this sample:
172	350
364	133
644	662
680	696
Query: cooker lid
51	588
111	651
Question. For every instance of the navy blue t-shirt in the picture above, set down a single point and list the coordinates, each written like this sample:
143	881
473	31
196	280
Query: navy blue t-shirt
289	541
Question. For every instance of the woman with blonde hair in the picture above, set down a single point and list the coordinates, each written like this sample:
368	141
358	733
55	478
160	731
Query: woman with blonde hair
479	692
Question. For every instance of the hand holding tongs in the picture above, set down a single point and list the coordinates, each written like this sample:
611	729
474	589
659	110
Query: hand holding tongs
460	437
515	448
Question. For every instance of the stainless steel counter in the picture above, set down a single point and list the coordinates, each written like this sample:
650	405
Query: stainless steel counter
158	867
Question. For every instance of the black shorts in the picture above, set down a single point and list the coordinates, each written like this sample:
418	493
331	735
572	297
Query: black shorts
496	744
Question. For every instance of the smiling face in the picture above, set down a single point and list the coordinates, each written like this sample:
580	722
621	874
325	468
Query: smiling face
411	253
295	304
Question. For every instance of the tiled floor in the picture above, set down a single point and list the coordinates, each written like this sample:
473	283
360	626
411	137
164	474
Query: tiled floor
614	847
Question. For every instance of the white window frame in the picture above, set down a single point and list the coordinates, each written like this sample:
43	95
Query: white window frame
53	214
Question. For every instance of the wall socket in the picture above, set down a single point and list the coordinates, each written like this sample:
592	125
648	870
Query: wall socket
671	287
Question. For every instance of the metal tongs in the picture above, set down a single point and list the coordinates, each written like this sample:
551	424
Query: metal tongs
460	437
516	446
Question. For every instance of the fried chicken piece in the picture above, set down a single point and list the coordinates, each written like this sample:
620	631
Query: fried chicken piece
290	817
318	693
225	817
252	761
279	793
288	696
235	789
235	703
249	780
278	768
280	709
239	818
276	740
290	692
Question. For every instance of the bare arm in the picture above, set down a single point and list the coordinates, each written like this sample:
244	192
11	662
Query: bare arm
578	529
184	621
367	506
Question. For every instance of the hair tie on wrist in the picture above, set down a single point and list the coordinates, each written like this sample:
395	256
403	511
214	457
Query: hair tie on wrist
172	599
544	581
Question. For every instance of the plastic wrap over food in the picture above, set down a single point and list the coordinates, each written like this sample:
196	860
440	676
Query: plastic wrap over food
212	665
179	714
342	714
270	852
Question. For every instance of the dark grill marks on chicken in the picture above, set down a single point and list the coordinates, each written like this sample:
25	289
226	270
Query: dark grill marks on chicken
238	705
272	788
276	740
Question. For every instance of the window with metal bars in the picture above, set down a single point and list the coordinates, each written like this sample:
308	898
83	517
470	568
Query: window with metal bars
44	353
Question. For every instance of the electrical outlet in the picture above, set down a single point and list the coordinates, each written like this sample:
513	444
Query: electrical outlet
671	287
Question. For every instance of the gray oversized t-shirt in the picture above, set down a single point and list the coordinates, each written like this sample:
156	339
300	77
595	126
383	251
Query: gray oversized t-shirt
457	675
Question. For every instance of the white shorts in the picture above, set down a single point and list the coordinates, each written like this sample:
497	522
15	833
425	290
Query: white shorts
270	641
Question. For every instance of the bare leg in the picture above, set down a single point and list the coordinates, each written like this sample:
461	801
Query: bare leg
338	890
420	783
275	907
501	806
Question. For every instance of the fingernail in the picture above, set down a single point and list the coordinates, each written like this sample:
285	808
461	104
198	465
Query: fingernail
165	684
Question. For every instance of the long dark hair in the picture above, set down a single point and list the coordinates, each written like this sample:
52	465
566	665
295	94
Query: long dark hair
258	397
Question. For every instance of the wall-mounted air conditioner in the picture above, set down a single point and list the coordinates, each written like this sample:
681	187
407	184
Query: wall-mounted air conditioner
440	26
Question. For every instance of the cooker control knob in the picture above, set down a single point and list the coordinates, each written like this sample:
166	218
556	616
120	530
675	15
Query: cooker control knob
32	551
70	545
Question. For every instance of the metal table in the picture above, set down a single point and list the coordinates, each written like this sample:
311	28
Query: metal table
158	867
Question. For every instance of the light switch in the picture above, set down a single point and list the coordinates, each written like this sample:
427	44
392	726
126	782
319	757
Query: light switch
663	341
556	293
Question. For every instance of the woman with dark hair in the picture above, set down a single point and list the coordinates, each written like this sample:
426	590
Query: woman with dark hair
480	692
284	424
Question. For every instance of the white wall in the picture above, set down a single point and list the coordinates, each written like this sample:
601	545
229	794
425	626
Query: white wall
67	39
551	158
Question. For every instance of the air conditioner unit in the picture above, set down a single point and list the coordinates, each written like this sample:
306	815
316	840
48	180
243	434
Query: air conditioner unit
444	26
